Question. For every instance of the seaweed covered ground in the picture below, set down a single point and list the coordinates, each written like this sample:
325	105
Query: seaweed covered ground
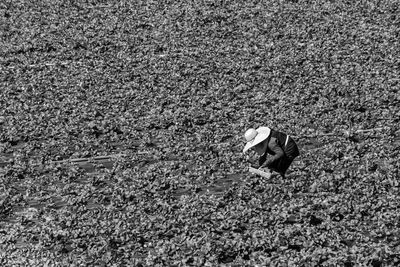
171	87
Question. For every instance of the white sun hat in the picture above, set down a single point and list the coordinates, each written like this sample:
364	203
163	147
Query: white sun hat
254	137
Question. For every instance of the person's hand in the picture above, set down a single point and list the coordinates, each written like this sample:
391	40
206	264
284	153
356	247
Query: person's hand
262	164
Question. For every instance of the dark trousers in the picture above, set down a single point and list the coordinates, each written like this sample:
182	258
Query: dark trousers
282	164
291	152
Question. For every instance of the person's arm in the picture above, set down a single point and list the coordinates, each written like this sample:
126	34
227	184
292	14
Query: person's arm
278	153
262	159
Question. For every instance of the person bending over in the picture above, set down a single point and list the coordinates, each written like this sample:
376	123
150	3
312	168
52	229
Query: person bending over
280	146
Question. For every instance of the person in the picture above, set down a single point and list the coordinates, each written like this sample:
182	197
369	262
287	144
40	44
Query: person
266	141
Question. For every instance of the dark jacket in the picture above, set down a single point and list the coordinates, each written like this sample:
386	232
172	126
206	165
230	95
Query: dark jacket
283	150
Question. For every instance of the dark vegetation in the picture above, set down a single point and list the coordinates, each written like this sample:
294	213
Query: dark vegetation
174	85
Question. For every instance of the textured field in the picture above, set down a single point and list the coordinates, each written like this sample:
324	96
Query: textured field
173	85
